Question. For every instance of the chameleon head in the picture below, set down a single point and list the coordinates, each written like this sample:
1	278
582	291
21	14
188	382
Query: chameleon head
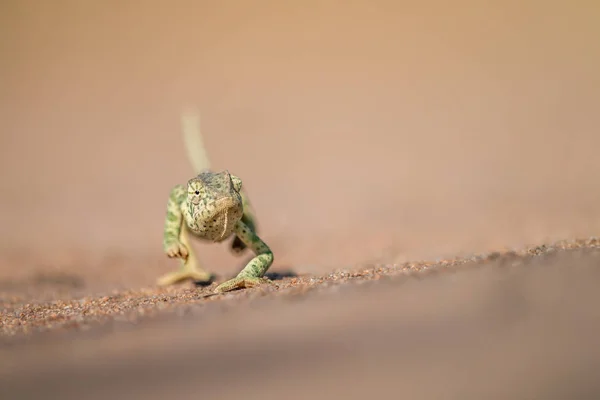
215	203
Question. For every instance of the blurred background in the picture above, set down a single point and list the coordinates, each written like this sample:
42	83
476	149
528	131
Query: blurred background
364	131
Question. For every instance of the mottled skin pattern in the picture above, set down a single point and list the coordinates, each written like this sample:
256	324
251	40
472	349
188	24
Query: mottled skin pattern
213	207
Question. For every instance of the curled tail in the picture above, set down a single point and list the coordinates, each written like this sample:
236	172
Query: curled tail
196	153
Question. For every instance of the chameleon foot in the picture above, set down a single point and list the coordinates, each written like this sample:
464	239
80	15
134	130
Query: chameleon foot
176	249
183	275
243	282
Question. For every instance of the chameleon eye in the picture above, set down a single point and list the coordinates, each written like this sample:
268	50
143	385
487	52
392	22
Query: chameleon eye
197	192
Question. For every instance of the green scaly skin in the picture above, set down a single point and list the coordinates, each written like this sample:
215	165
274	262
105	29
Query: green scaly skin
213	207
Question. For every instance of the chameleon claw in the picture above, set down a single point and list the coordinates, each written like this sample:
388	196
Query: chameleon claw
177	249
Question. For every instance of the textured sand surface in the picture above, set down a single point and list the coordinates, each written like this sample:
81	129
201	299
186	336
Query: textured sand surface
509	326
368	134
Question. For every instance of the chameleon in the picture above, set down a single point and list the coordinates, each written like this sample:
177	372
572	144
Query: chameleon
212	206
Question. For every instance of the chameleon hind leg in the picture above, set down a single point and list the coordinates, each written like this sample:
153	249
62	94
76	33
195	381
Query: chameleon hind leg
190	266
253	273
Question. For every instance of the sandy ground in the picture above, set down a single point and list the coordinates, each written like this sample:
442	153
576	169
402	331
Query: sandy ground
369	135
517	325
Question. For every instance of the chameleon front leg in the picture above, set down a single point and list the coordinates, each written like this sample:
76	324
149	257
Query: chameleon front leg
190	266
253	273
177	245
237	245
